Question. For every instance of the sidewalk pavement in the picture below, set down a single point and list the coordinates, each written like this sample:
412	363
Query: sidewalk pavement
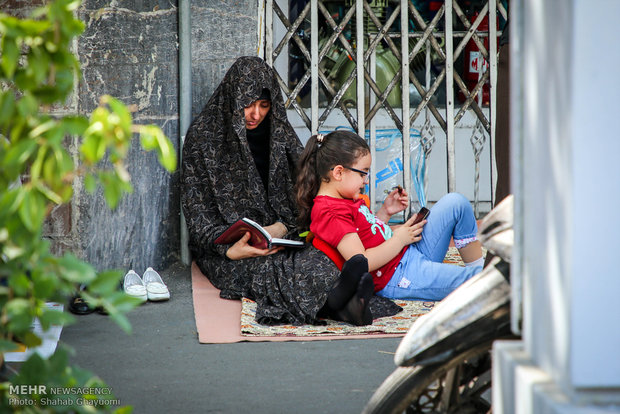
161	367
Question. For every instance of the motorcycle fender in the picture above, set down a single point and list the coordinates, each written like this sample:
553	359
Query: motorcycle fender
471	313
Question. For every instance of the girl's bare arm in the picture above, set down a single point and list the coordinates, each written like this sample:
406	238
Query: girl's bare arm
406	234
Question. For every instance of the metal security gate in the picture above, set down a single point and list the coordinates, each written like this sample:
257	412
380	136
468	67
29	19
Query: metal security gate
323	38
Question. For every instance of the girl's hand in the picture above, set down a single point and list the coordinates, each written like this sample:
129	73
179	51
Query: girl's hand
410	233
395	202
242	250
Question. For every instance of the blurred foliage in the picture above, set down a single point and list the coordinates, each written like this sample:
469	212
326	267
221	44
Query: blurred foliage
37	173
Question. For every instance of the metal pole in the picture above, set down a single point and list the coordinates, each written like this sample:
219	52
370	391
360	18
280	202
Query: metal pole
404	51
185	99
493	82
517	162
372	192
314	56
361	98
268	32
450	142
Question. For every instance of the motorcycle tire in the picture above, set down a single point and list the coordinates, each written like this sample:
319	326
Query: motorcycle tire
456	385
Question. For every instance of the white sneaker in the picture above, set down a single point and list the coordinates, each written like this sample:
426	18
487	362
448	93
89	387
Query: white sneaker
156	289
134	286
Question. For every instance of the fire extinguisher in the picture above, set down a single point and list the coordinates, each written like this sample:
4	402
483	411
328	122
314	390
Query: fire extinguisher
474	62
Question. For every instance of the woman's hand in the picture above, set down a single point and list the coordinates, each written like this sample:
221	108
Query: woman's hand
410	233
242	250
395	202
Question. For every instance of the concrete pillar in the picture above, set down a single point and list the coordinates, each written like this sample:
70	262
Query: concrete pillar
565	99
130	51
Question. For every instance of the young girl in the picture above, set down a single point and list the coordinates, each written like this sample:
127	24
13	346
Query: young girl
406	260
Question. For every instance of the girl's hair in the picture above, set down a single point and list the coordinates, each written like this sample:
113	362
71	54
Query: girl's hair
317	159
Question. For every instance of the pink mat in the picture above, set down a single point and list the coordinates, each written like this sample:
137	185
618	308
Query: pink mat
218	320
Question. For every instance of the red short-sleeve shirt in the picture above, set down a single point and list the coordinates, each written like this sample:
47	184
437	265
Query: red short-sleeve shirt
333	218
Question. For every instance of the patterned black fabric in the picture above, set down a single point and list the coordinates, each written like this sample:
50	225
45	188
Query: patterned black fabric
221	184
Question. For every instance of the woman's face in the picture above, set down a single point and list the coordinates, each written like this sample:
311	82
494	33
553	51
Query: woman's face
256	112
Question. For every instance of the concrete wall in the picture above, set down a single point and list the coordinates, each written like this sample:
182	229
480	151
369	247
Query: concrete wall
221	32
130	50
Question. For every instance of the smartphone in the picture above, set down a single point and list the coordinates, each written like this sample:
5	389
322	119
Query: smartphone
422	214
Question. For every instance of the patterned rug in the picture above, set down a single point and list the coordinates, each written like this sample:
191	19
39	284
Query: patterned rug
397	324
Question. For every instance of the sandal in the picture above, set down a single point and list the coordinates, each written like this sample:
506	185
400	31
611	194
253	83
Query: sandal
79	306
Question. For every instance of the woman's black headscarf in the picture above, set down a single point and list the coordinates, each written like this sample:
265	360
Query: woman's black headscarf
216	150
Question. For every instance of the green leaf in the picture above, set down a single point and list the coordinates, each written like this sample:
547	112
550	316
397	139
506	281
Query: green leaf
34	370
48	193
38	65
121	172
19	314
19	153
93	146
51	47
32	210
12	252
7	107
111	191
124	410
148	139
42	128
116	303
74	125
34	27
124	303
44	285
122	112
20	284
113	187
7	346
100	116
64	160
90	183
122	321
30	339
35	169
105	283
51	317
54	169
48	94
75	270
27	105
10	55
60	359
10	200
152	137
9	25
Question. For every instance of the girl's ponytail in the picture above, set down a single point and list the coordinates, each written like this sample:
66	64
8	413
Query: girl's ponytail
322	152
308	182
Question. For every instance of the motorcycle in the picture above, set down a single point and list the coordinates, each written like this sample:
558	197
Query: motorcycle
444	360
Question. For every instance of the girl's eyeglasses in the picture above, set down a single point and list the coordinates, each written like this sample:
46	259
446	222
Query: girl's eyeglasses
365	174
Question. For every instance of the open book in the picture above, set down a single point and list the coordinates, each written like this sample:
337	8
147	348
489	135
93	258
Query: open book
259	238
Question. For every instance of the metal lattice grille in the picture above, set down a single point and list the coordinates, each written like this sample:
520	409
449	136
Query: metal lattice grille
363	33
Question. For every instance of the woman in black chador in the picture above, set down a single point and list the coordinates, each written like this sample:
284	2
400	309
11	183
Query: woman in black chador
239	160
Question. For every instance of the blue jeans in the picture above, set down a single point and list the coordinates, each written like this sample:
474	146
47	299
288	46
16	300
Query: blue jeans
421	274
